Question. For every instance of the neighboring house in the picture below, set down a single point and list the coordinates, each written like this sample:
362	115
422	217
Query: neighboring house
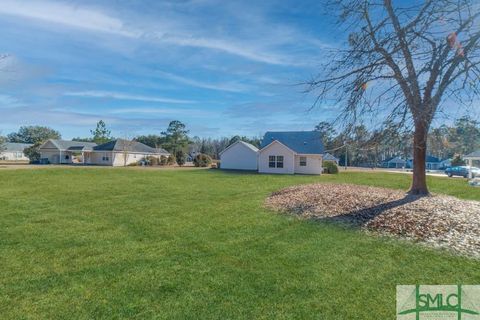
395	163
63	151
113	153
474	156
14	151
239	156
329	157
291	152
433	163
123	152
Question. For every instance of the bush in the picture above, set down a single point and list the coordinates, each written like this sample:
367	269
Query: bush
32	153
152	161
171	160
202	160
181	158
330	167
163	160
457	161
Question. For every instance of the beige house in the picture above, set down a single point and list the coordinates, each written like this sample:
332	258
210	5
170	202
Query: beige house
113	153
14	151
281	152
291	152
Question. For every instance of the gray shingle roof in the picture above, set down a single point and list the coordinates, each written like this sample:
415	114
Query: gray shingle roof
395	160
76	145
125	145
16	147
475	154
329	157
303	142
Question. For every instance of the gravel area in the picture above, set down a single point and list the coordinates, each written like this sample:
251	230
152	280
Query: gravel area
436	220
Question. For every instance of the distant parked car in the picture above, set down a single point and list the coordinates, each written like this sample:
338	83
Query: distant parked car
462	171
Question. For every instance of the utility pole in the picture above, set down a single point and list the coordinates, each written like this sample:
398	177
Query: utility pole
346	156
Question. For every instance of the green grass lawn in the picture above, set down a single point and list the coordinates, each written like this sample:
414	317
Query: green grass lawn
197	244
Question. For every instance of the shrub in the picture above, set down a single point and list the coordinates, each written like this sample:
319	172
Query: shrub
202	160
133	164
171	160
152	161
457	161
181	158
32	153
163	160
330	167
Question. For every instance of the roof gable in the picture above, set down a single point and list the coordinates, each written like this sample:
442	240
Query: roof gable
302	142
276	142
474	154
66	144
242	143
329	157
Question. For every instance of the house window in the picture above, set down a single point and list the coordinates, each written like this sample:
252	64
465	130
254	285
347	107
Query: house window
105	157
303	161
271	161
279	161
67	157
275	161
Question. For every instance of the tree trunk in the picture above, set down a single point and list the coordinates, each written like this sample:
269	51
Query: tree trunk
419	182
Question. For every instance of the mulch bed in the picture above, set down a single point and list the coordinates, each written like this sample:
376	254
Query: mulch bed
436	220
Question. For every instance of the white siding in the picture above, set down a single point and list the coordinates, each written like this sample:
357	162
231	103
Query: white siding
276	149
119	158
99	158
13	156
239	157
314	164
56	156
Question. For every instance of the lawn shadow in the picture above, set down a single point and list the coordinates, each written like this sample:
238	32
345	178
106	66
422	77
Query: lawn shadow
358	218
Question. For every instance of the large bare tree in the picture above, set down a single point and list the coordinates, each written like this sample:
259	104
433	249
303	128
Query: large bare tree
404	62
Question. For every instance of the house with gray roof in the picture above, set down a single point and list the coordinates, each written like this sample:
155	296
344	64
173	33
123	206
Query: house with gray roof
330	157
118	152
291	152
285	152
10	151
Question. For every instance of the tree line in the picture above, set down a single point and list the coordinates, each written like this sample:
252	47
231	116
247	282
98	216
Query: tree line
364	147
361	146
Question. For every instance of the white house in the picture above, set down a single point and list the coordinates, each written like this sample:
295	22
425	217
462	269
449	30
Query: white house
291	152
14	151
474	156
239	156
281	152
113	153
329	157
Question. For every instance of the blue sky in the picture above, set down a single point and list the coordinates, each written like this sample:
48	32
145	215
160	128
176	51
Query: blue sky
222	67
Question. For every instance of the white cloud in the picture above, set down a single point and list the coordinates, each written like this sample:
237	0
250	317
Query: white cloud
225	86
175	30
165	111
122	96
68	15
